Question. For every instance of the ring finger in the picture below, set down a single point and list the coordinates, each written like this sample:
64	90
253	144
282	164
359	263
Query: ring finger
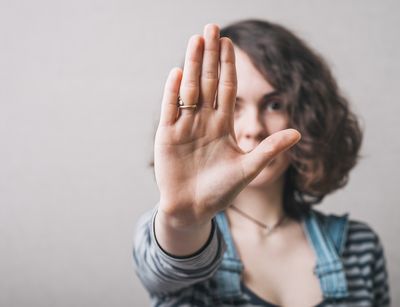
190	85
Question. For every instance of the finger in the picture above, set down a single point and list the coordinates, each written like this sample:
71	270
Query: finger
227	81
169	108
189	91
209	71
256	160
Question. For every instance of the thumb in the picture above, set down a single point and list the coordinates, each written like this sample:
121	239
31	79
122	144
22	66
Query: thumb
269	148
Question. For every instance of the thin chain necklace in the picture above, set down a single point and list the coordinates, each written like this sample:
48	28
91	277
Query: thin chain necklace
263	225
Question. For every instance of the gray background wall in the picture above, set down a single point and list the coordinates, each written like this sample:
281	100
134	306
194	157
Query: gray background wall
80	87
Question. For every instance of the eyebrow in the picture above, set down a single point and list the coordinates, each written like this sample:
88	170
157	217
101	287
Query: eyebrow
265	97
270	95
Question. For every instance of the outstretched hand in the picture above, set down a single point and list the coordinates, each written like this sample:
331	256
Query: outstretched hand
199	166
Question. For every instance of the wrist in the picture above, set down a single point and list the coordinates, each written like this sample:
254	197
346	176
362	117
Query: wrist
180	240
181	222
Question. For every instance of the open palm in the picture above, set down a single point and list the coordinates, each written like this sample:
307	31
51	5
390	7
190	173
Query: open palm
198	165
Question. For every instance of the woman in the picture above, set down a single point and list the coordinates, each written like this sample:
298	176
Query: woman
252	133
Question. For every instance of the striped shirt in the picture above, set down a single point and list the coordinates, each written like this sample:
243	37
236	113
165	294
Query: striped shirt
192	281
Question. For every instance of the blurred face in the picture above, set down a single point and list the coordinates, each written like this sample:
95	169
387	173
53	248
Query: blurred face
259	112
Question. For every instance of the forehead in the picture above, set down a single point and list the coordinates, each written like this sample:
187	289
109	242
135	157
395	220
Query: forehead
250	80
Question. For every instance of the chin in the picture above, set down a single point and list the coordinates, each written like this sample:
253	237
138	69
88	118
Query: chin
271	173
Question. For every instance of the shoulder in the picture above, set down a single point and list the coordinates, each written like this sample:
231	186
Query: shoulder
350	235
362	239
361	232
354	230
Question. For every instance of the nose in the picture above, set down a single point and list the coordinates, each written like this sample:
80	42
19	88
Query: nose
253	124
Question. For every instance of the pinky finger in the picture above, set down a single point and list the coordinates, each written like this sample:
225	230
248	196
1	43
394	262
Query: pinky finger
169	107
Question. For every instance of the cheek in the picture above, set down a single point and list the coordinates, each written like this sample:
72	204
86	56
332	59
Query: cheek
276	122
272	122
236	125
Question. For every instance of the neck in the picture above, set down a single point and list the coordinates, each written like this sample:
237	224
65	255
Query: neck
265	204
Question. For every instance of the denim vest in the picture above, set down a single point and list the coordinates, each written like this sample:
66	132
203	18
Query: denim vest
326	233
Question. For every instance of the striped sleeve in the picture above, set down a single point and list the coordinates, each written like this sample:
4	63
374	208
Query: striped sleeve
365	264
380	278
163	274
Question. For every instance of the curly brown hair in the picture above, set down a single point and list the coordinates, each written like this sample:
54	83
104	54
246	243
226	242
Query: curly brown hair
331	135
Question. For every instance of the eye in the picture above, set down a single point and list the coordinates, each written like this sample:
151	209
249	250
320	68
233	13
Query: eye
274	105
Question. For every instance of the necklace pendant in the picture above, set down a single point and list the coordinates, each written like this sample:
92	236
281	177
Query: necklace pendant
266	231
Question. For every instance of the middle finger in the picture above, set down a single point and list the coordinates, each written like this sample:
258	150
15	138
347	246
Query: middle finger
209	72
